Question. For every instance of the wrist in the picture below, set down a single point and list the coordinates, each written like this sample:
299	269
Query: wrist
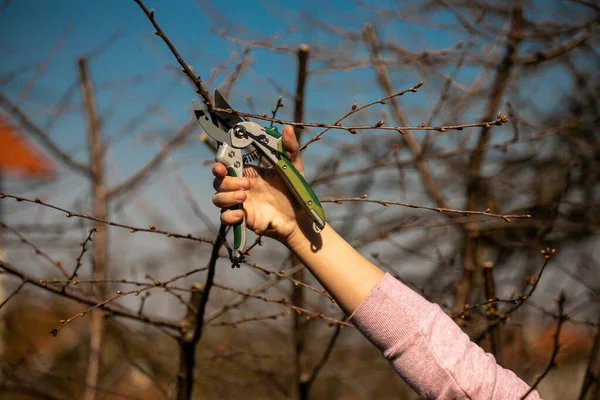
303	235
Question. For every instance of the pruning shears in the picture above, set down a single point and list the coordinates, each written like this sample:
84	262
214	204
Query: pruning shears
234	134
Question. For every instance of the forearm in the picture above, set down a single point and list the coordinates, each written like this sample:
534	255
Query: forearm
343	272
421	342
433	355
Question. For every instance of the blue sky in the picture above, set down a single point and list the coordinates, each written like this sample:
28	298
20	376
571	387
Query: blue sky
31	28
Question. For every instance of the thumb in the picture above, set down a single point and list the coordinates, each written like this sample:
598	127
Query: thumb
292	148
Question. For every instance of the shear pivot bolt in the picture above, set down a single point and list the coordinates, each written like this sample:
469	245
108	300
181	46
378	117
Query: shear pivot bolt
239	131
309	202
237	164
284	167
231	154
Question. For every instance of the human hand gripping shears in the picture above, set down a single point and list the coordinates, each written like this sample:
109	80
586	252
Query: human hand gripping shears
235	134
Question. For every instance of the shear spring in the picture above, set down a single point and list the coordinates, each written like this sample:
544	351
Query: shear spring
249	157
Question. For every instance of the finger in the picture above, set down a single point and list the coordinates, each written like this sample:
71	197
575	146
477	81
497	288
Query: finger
292	148
219	170
231	217
230	184
228	199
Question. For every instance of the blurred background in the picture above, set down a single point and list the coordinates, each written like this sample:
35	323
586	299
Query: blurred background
133	303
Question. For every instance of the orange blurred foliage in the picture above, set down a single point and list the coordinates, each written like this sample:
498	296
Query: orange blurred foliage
19	155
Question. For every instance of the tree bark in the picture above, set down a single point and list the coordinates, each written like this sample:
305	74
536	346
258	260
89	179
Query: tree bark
98	195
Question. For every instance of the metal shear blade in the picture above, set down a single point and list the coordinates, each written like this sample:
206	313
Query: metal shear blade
226	120
211	129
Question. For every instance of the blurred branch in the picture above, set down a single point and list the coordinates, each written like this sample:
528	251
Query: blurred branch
102	47
284	275
307	383
186	69
591	5
308	314
299	324
137	178
591	381
35	248
556	51
43	137
517	301
192	326
251	293
472	247
44	64
561	318
241	66
111	308
383	77
99	199
13	294
244	320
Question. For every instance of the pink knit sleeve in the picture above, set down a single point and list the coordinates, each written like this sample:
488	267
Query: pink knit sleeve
428	350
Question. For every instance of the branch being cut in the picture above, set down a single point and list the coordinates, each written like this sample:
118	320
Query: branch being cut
379	125
196	79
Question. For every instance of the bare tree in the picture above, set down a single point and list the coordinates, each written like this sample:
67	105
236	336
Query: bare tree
450	167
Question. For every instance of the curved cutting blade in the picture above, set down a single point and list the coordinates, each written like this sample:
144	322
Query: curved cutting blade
211	129
228	121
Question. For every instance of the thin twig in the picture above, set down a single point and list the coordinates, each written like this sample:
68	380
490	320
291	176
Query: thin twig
43	137
244	320
35	248
13	294
561	318
487	213
200	89
518	301
325	357
113	309
78	259
355	109
132	229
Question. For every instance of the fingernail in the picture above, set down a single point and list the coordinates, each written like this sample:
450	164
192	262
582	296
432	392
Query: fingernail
239	213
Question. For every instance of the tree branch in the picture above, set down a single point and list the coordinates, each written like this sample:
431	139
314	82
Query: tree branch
43	137
140	176
110	308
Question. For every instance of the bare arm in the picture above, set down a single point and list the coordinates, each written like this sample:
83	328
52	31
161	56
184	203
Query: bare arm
425	347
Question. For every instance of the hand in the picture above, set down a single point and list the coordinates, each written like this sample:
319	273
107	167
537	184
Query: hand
269	206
